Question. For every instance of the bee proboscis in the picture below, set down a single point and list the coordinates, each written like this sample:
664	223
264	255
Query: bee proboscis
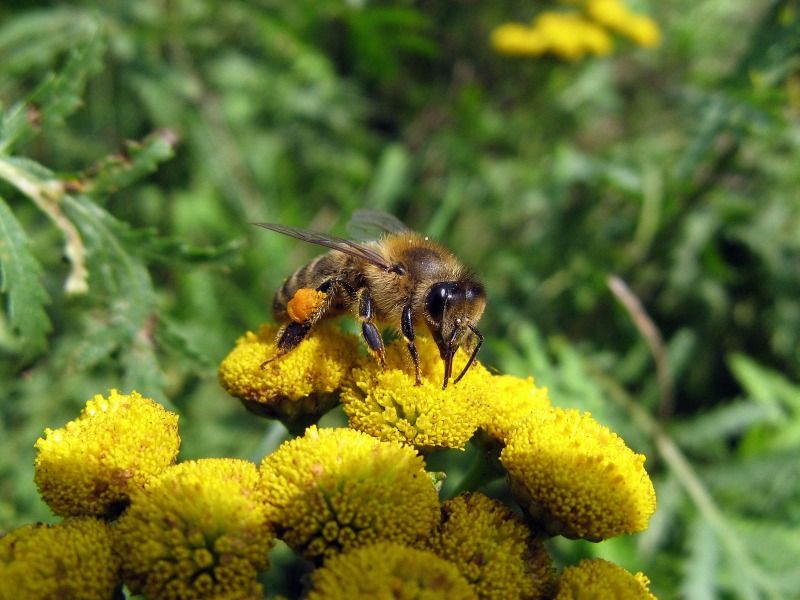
401	279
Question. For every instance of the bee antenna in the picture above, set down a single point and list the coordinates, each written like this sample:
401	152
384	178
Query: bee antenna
474	353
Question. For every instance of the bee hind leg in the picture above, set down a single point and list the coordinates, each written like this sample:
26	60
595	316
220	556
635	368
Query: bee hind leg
289	338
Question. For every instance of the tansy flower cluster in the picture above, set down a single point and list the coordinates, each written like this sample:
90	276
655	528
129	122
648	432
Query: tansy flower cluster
359	503
359	506
197	529
575	33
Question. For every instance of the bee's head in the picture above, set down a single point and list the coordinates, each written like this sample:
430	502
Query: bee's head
452	309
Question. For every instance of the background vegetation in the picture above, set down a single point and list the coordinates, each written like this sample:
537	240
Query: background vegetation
147	135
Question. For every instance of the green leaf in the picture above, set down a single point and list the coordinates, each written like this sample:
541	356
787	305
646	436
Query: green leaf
58	96
20	275
171	338
119	171
120	279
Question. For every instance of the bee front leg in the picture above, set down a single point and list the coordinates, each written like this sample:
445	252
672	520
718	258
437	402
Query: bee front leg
407	329
372	337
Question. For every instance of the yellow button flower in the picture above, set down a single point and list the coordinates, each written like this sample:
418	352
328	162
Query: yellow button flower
570	36
615	15
493	549
512	399
387	404
388	571
576	477
335	489
601	580
298	387
514	39
573	34
93	464
642	30
198	531
73	559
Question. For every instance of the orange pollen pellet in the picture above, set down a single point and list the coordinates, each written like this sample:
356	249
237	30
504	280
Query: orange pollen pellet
304	304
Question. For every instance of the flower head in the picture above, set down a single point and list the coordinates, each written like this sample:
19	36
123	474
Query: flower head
577	477
573	34
73	559
603	580
493	549
200	530
565	34
92	464
615	15
387	404
301	385
335	489
386	571
513	398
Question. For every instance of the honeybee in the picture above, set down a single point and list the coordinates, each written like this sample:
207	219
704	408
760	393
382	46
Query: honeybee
402	279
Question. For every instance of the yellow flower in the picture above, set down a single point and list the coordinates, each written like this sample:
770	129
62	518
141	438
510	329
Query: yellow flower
615	15
73	559
299	386
601	580
493	549
198	531
577	477
335	489
642	30
387	404
512	399
387	571
565	34
517	40
93	464
570	36
611	13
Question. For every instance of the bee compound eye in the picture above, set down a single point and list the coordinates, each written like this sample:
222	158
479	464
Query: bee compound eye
436	300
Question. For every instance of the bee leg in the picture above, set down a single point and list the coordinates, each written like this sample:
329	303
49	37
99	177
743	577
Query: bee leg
372	337
289	338
407	329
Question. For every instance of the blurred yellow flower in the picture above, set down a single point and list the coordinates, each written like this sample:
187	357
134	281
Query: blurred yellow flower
576	477
515	39
566	34
388	571
642	30
198	531
574	34
601	580
386	403
616	16
93	464
493	549
335	489
570	36
73	559
299	386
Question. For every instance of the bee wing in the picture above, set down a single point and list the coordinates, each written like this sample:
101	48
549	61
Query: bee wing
367	224
350	247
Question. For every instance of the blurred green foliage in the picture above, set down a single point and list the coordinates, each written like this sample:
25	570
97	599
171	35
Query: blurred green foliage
138	139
